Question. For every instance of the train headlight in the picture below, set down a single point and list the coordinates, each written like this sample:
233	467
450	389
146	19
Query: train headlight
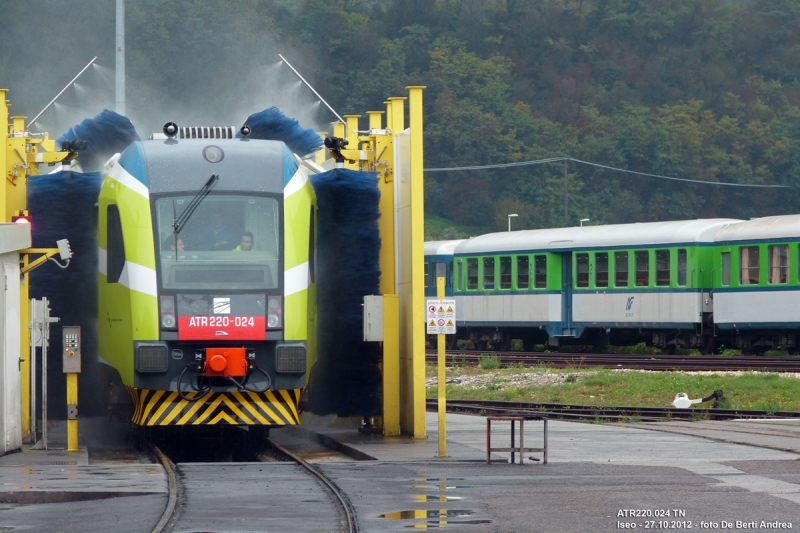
167	312
274	312
167	321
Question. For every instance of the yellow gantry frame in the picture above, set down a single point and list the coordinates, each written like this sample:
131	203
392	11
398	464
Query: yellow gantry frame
403	373
21	153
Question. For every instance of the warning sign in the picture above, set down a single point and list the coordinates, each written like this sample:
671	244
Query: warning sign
441	317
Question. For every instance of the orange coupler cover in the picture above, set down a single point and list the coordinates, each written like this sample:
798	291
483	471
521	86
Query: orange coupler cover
228	362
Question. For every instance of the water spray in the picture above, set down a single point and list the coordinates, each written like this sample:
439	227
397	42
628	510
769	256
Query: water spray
321	99
62	92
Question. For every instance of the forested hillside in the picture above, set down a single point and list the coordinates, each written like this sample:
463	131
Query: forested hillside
698	89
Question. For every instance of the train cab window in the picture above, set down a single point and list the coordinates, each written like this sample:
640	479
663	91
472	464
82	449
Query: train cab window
229	242
642	260
541	271
427	275
749	265
472	274
115	245
488	272
582	270
682	267
662	268
779	263
726	268
620	269
505	272
523	273
601	269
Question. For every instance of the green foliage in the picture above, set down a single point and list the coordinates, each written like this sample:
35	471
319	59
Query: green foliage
489	362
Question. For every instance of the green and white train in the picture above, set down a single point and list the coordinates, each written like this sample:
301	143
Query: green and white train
697	283
206	279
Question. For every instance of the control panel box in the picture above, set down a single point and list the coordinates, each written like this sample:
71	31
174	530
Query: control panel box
71	350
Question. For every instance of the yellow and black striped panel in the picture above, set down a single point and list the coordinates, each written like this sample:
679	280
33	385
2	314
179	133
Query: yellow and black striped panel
167	408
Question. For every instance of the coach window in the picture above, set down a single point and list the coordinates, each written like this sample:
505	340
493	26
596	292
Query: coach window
749	267
488	272
682	267
427	274
662	268
505	272
620	269
582	270
541	271
450	275
472	274
779	263
601	269
523	274
726	268
115	245
642	260
459	282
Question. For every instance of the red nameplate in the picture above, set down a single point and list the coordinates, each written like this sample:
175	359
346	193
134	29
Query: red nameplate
222	328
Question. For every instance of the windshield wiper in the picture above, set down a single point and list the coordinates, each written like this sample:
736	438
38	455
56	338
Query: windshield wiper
179	222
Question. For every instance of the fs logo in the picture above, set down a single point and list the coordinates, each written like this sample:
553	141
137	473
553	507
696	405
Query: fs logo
629	306
222	306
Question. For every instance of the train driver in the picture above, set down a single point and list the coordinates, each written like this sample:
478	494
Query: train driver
246	244
173	242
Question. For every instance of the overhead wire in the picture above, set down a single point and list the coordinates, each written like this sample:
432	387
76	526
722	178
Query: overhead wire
607	167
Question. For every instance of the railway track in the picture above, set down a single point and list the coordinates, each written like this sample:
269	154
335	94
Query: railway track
213	495
599	413
639	362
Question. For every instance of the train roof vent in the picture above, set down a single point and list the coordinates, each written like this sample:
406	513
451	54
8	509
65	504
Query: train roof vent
200	132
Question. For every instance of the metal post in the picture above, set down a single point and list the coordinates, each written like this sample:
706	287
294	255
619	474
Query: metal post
442	380
34	326
566	195
120	65
72	423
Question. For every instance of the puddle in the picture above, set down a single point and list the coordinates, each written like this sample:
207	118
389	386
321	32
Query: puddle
431	498
444	523
417	514
444	487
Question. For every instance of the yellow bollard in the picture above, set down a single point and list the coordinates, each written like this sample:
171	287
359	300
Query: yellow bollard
72	423
442	385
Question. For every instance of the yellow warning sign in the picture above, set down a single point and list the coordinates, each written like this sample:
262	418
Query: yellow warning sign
441	310
433	323
450	323
449	309
440	317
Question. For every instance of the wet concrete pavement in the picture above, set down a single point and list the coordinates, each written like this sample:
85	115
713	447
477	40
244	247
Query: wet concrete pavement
595	473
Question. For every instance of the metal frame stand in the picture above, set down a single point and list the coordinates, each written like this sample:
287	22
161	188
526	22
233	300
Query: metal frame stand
514	449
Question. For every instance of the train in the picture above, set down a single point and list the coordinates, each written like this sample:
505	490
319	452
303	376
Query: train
704	284
206	293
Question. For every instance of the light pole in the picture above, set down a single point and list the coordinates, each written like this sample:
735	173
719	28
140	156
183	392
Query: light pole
584	220
509	220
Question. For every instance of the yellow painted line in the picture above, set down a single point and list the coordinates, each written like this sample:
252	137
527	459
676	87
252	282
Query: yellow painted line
247	405
266	408
156	395
235	408
164	405
223	415
274	401
290	401
208	411
175	411
197	405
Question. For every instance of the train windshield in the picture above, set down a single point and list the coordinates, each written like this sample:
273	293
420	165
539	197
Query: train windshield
230	242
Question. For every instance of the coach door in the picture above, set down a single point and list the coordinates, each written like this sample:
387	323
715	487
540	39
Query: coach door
566	294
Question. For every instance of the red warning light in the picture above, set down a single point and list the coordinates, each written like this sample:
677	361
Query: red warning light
20	220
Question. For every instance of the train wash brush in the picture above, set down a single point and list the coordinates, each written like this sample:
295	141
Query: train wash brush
272	125
106	134
345	379
62	205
